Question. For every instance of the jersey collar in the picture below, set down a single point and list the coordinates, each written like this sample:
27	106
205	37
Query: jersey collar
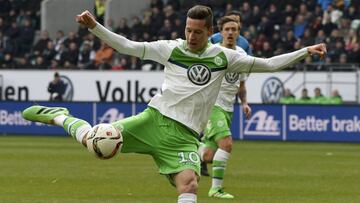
199	53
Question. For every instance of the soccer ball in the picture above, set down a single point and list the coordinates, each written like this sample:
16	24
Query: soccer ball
104	140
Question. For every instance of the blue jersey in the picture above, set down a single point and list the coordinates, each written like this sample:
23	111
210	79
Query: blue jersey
241	42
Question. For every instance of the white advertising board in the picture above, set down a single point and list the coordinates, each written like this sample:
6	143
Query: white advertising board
124	86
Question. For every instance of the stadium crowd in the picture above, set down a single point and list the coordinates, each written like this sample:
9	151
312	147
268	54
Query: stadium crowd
271	27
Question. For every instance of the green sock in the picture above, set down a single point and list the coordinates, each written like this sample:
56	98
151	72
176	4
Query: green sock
218	167
77	128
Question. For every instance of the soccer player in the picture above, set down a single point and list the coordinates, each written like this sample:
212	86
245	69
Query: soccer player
217	135
240	40
168	129
242	43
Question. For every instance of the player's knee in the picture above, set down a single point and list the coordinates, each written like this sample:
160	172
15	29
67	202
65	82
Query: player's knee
208	156
226	144
191	185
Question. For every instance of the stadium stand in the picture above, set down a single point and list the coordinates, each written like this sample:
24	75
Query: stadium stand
271	27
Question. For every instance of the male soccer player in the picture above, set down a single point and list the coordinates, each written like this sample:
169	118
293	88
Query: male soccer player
217	135
242	43
168	129
240	40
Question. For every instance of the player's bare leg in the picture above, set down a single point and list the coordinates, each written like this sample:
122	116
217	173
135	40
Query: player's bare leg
186	184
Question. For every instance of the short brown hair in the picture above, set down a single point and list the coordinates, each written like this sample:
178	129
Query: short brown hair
200	12
236	13
227	19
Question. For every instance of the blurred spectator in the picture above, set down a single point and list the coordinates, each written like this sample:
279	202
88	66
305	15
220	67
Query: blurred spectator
40	63
49	52
307	38
354	54
82	32
7	62
157	4
304	99
72	54
121	63
288	97
42	43
59	39
351	39
287	26
5	45
123	28
103	57
86	56
268	25
26	37
56	88
335	98
333	14
289	41
255	16
71	38
318	98
166	30
99	10
170	14
300	26
23	63
62	54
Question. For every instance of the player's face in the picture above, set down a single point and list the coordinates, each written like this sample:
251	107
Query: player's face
196	34
230	32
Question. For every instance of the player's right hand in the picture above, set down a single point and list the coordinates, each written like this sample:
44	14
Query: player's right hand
86	19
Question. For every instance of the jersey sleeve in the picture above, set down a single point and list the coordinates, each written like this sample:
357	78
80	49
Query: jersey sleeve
242	63
118	42
243	77
158	51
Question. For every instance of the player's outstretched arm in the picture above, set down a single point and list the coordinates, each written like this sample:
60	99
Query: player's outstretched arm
285	60
118	42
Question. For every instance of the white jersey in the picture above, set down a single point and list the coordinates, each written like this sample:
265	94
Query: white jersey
192	81
229	88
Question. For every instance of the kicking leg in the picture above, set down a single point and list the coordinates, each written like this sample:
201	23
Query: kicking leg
58	116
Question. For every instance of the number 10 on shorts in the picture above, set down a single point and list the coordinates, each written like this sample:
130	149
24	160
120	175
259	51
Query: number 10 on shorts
188	158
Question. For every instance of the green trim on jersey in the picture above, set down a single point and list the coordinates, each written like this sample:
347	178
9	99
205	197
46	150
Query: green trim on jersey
214	63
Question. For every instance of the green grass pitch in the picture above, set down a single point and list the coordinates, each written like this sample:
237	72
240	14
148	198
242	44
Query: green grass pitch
57	169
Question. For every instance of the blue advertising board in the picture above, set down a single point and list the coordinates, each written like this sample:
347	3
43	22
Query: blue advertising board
322	123
11	121
268	122
265	123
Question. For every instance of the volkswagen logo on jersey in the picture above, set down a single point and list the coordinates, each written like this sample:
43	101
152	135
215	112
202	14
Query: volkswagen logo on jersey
272	90
199	74
231	77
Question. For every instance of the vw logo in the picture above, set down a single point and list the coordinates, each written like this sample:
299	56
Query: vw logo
69	92
272	90
231	77
199	74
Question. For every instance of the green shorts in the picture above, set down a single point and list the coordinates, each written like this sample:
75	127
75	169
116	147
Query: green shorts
217	127
172	145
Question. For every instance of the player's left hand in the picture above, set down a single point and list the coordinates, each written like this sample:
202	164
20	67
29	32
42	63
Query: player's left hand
319	49
86	19
247	110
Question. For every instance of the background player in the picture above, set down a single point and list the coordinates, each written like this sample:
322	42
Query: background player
217	136
242	43
168	129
